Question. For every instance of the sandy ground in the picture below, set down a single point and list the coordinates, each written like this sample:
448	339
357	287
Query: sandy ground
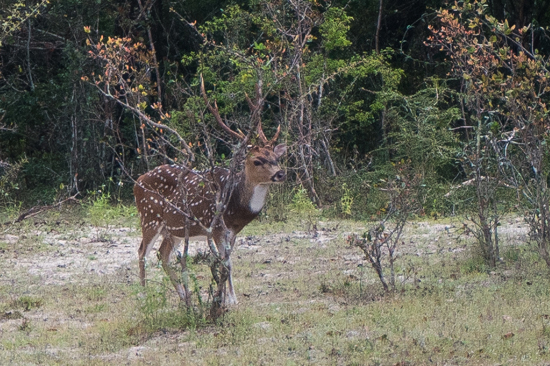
67	256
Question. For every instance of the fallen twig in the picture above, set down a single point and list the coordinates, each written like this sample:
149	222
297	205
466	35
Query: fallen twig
38	209
471	182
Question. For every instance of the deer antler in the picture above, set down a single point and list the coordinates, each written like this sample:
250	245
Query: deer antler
256	108
216	113
274	139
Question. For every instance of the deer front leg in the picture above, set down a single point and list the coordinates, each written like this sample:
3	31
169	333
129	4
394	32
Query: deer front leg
219	274
166	250
184	271
226	275
231	298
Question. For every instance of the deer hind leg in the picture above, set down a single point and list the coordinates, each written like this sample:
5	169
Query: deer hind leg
166	250
149	238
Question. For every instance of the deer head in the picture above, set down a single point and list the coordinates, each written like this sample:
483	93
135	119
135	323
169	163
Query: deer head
261	163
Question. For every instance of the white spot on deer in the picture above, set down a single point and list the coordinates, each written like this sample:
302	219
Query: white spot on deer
258	198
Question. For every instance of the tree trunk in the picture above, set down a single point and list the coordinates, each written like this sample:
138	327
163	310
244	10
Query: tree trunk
378	24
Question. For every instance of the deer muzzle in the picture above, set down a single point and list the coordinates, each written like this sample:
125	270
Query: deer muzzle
280	176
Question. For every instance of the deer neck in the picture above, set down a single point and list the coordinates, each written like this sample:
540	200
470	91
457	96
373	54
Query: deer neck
259	194
252	196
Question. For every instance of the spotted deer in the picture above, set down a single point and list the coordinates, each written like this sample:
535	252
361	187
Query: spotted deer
173	199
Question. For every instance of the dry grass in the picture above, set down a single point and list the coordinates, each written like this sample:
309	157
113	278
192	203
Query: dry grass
69	296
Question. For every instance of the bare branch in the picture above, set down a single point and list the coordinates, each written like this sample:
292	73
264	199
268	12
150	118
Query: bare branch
214	110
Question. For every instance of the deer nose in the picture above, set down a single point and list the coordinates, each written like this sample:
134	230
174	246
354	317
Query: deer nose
279	176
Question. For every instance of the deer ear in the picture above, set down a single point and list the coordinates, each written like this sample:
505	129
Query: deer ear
279	150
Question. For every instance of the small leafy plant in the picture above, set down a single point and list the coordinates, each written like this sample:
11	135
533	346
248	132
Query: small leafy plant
380	242
346	201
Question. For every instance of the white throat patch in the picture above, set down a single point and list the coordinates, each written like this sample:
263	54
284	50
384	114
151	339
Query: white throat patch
258	198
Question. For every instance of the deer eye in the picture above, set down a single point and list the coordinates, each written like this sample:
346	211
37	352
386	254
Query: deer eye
257	162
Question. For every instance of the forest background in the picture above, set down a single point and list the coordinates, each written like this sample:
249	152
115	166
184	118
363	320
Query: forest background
95	93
